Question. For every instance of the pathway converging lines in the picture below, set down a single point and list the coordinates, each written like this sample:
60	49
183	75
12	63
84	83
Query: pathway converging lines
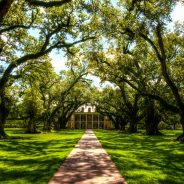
88	163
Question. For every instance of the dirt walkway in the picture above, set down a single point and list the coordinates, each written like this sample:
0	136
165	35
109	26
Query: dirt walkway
88	163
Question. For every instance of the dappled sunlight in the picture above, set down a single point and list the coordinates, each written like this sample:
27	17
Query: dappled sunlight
88	163
146	159
36	157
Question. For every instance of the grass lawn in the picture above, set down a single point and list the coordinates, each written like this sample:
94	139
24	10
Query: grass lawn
34	158
145	159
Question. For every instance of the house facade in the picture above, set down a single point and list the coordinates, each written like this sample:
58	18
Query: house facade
86	117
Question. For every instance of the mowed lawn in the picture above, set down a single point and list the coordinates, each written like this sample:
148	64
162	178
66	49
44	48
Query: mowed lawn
145	159
34	158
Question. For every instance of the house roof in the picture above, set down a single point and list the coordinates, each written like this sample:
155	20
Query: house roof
86	108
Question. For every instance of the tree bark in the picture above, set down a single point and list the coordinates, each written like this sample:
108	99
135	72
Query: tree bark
181	137
62	122
4	7
56	126
31	126
123	124
47	4
161	55
2	131
152	118
169	81
117	124
133	118
47	126
120	123
152	126
132	126
3	114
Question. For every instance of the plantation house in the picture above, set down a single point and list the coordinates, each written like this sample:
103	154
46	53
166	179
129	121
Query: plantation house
86	117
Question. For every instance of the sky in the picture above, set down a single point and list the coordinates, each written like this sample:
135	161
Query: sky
178	13
59	60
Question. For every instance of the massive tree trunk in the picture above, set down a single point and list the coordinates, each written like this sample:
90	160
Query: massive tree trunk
47	123
2	121
31	126
168	79
162	58
133	118
152	118
117	124
181	137
2	131
56	126
4	7
123	124
133	123
120	123
47	126
151	123
61	123
132	127
3	114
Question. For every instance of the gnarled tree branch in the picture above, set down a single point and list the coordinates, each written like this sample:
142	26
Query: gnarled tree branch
47	4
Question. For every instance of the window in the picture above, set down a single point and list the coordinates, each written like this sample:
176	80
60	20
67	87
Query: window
82	110
89	109
83	118
77	117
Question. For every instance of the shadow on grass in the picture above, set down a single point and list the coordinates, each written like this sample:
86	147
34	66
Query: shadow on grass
35	158
42	172
145	159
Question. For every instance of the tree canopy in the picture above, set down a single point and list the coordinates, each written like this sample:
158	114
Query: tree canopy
129	43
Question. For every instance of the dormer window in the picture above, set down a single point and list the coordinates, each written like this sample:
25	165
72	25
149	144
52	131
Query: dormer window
82	110
89	109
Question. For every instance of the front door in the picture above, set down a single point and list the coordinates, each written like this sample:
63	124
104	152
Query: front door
89	125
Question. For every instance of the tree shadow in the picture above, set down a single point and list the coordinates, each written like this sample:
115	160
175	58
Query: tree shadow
145	159
35	158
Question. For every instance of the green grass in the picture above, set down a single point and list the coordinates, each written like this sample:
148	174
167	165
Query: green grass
145	159
34	158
